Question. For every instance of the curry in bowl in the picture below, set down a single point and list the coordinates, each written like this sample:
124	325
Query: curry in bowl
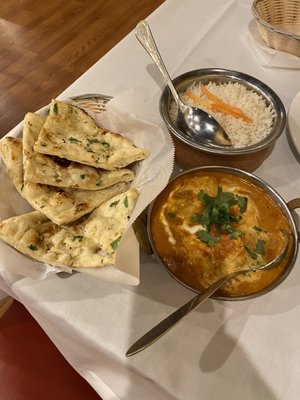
211	221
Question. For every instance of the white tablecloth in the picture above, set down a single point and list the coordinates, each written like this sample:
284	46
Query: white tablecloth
225	350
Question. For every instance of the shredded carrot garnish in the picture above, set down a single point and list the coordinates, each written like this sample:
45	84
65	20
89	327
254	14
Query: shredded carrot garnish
219	105
201	102
225	110
216	100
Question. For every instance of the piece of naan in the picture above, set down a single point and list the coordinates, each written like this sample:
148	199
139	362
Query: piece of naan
70	133
54	171
61	206
92	243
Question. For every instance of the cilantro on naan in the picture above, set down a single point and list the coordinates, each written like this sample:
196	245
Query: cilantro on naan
70	133
92	243
62	206
41	168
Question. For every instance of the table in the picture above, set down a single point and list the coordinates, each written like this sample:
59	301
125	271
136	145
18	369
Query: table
235	350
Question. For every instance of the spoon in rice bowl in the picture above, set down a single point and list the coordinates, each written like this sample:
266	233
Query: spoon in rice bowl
191	120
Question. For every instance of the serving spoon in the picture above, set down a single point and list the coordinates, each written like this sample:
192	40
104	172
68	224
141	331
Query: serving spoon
169	322
193	121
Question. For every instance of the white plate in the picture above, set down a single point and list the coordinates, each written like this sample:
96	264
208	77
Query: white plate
294	125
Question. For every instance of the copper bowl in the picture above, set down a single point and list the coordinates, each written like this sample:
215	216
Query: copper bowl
286	209
190	154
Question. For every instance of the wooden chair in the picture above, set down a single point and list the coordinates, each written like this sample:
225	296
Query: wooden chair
31	367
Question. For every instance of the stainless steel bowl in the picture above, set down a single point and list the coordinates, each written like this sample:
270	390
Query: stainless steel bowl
190	153
287	209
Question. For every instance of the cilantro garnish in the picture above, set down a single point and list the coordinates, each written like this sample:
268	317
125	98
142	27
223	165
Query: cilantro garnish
78	237
206	237
126	201
260	246
217	213
196	218
115	243
73	140
258	229
91	141
171	214
55	108
251	253
33	247
259	249
242	203
114	203
235	234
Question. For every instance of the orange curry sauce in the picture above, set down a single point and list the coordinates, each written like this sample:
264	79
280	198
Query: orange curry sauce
206	224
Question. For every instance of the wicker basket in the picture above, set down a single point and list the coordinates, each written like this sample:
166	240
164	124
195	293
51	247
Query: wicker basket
279	23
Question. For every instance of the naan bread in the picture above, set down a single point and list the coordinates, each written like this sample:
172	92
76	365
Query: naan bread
70	133
11	153
88	244
61	206
41	168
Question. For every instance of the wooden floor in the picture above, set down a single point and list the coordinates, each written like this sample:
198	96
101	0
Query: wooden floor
31	366
47	44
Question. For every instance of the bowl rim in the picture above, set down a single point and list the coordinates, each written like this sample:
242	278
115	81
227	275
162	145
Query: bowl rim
239	77
272	193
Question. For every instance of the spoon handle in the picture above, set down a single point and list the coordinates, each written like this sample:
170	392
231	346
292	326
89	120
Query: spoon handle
169	322
144	35
166	324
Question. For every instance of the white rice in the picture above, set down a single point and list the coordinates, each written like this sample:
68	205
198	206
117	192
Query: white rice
241	133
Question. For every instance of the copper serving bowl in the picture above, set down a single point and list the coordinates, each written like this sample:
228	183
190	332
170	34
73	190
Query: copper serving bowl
268	282
190	154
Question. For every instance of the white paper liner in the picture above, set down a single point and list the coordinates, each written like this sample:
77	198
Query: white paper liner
267	56
125	114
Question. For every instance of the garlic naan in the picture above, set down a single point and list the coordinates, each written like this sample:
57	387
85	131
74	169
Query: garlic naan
61	206
88	244
70	133
41	168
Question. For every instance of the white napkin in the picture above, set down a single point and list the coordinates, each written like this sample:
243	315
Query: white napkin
266	56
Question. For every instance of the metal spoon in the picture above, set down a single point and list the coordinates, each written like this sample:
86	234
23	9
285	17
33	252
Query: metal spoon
191	120
169	322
